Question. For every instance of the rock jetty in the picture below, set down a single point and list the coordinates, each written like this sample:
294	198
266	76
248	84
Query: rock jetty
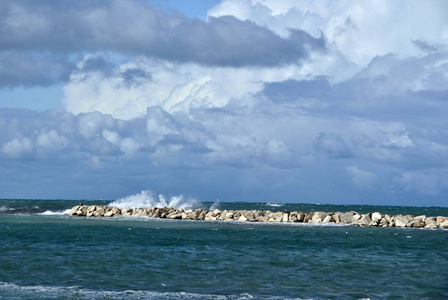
375	219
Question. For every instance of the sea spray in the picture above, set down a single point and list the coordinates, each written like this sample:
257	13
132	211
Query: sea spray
147	199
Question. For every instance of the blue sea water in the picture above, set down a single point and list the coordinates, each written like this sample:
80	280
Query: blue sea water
45	254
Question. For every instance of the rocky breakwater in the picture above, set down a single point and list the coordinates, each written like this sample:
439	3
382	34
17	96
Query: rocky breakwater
375	219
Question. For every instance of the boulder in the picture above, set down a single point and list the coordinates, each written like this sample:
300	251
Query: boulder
347	217
337	218
328	219
431	220
318	216
431	226
376	217
416	224
293	217
420	218
401	221
126	212
384	222
365	220
308	217
242	218
444	225
356	217
74	211
285	217
440	220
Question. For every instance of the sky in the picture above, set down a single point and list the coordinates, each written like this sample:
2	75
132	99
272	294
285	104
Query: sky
341	102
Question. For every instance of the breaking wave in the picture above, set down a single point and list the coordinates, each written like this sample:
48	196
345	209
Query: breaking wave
13	291
147	199
274	204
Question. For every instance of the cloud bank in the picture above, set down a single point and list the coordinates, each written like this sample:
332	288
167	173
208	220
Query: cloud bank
263	101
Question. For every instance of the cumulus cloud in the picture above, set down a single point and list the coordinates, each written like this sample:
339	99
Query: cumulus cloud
360	30
264	100
137	27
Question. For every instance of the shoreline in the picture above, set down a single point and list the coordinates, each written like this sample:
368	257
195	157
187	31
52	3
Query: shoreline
374	219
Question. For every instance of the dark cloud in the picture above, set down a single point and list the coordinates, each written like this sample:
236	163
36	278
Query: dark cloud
332	145
425	46
138	28
134	76
293	90
30	69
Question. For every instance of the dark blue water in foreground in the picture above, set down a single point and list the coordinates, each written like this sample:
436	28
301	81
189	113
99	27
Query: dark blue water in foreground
54	256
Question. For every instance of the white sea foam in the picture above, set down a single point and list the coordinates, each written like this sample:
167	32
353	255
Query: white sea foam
274	204
13	291
54	213
147	199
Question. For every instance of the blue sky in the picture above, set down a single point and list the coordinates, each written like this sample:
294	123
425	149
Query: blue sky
262	100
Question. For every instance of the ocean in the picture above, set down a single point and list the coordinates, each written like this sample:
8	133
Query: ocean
46	254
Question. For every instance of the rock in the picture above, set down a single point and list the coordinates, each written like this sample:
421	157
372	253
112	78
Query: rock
242	218
250	216
126	212
74	211
308	217
376	217
444	225
416	224
337	218
384	222
328	219
347	217
318	216
431	226
365	220
293	217
110	213
175	216
420	218
431	220
440	220
356	217
401	221
229	215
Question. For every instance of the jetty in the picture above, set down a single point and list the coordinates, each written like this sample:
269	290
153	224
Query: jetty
374	219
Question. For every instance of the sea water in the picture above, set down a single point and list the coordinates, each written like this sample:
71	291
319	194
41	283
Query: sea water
46	254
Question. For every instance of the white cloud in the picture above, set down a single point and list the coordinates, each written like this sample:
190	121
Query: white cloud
360	30
18	147
51	140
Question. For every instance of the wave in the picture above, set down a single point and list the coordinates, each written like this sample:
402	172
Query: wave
274	204
147	199
13	291
54	213
5	208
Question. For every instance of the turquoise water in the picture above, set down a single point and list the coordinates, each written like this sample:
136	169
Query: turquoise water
54	256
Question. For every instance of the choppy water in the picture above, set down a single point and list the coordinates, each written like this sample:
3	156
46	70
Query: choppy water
46	255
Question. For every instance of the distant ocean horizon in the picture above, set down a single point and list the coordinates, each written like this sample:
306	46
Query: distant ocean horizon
47	254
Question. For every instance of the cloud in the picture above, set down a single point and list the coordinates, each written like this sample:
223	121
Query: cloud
29	69
138	28
332	145
360	30
361	178
422	183
17	147
298	101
